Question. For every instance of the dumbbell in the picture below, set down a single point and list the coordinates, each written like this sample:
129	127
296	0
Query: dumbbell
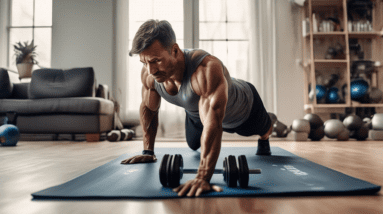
120	135
171	171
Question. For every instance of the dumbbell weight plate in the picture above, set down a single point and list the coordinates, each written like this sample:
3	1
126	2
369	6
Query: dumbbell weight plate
168	169
175	170
163	166
224	169
232	172
243	169
181	167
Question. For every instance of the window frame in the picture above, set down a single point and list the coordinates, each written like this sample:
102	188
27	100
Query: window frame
9	27
191	25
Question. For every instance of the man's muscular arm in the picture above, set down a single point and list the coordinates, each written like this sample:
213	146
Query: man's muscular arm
213	90
149	107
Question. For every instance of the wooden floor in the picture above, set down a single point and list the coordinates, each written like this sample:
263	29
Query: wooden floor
35	165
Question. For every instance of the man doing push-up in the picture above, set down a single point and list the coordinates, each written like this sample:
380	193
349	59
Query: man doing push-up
213	101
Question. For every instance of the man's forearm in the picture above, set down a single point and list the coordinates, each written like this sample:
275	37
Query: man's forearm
149	123
210	149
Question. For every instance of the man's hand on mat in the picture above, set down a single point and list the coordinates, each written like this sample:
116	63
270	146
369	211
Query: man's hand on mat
140	159
195	187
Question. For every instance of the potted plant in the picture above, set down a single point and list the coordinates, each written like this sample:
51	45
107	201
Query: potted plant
25	58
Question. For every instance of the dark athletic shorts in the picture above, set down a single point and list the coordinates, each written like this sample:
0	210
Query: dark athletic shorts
258	123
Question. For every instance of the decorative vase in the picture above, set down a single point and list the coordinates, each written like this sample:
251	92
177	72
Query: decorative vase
25	70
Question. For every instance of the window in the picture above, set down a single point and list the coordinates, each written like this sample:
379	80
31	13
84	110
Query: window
31	20
222	33
139	12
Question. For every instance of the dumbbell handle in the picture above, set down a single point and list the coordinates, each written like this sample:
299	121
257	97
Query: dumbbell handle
220	171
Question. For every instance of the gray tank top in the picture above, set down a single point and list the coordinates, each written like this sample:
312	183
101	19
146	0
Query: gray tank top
240	96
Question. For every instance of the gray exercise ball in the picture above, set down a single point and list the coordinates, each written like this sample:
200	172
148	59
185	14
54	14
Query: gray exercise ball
377	121
368	125
362	133
316	134
301	125
353	122
280	129
314	120
344	135
376	95
273	117
333	127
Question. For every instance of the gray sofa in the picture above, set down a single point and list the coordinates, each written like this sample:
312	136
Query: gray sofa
58	102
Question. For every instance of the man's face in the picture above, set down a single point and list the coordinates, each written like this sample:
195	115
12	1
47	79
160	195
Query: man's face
158	62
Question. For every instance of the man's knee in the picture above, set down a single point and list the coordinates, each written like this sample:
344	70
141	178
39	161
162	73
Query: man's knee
194	145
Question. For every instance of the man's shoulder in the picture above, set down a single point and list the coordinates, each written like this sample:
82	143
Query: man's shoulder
210	62
209	72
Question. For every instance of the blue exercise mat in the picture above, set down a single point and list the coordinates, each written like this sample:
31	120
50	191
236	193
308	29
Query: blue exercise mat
283	174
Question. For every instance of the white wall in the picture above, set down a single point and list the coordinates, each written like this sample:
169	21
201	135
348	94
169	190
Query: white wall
290	79
82	36
3	32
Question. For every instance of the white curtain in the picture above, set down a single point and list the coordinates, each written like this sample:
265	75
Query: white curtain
262	51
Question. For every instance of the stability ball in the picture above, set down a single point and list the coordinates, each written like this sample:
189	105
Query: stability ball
353	122
333	127
301	125
359	89
377	121
314	120
320	91
376	95
316	134
344	135
332	95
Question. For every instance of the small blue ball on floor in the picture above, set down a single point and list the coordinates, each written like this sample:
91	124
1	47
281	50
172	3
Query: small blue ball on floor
9	135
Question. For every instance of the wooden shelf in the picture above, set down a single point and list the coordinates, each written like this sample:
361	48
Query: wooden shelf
356	35
334	33
316	44
355	104
364	35
330	63
325	107
342	105
327	3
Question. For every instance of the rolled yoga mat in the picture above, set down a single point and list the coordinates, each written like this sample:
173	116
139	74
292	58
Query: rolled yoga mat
283	174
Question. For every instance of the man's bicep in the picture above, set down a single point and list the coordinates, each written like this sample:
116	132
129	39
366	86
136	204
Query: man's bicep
150	97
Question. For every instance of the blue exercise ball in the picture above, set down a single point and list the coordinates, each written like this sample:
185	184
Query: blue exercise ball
9	135
320	91
332	95
359	89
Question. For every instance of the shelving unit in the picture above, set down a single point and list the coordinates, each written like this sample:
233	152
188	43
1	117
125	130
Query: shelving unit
315	44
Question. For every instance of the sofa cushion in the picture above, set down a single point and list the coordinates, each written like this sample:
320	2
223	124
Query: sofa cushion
56	83
6	85
20	90
75	105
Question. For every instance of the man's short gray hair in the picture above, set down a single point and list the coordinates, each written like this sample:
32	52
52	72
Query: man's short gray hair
150	31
